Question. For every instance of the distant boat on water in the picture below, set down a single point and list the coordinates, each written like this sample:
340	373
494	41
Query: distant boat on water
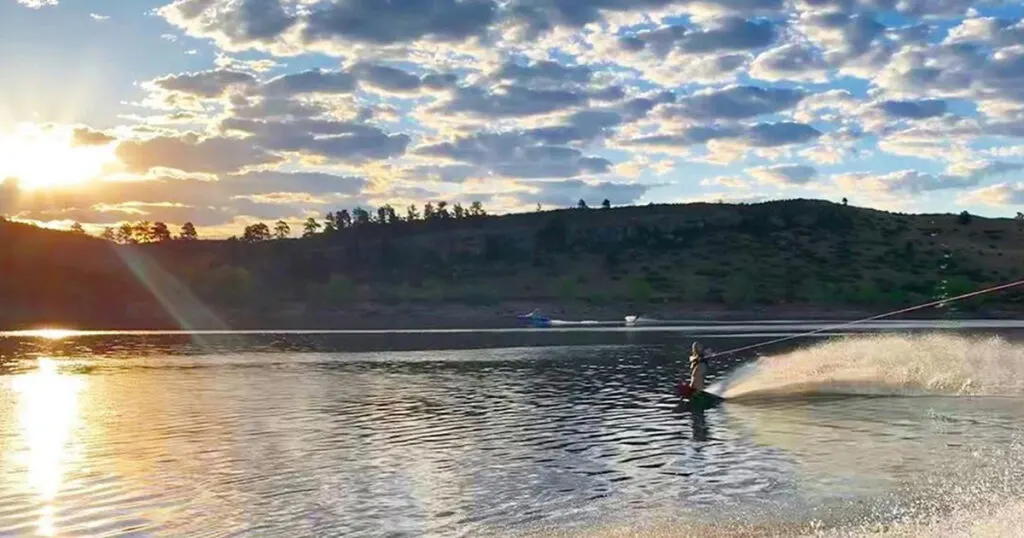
637	320
535	319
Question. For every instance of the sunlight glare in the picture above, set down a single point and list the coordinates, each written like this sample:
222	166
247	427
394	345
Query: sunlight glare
48	334
46	158
48	413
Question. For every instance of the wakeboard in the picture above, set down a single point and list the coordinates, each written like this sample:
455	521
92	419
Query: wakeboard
698	399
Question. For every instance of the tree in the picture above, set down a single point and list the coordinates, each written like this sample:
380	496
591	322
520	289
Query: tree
964	218
476	209
539	207
412	213
143	232
77	228
582	204
282	230
256	232
459	212
310	228
845	201
330	222
343	219
428	212
126	234
360	217
160	232
386	215
1020	216
108	234
606	204
188	232
442	210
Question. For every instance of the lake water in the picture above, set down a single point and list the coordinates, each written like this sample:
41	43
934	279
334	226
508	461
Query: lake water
899	430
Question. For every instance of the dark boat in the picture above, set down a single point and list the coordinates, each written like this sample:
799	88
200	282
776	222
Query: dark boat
535	319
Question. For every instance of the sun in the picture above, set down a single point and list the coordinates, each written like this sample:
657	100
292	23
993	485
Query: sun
45	158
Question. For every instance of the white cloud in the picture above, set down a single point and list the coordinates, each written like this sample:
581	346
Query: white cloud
1000	194
36	4
784	175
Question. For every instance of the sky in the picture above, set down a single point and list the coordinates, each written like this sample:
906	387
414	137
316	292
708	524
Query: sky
228	112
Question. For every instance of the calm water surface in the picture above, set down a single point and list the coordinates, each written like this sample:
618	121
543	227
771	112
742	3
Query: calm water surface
470	434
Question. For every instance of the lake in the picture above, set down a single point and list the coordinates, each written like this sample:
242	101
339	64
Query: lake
910	429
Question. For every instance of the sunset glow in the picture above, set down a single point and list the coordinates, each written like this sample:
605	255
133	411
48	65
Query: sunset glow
42	159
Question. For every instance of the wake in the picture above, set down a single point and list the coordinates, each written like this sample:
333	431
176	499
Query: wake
884	365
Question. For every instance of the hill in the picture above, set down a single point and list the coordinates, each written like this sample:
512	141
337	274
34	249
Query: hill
778	257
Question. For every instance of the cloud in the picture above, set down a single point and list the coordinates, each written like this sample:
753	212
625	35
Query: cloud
36	4
241	22
568	193
544	15
451	173
311	81
779	134
545	99
1008	151
192	153
516	155
927	108
915	182
202	200
843	35
1000	194
99	18
990	72
384	23
792	61
272	181
510	101
341	27
543	71
585	125
207	84
784	175
731	182
388	78
736	102
84	136
723	34
728	144
351	141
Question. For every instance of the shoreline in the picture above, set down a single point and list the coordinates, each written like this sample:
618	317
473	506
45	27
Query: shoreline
423	316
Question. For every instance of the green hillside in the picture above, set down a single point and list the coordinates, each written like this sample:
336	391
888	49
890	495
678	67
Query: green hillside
795	252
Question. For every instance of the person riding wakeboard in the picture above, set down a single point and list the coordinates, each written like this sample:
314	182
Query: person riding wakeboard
698	368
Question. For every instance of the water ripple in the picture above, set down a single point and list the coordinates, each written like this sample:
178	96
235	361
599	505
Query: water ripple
450	443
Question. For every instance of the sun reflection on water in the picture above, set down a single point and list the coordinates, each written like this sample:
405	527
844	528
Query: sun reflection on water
47	414
48	334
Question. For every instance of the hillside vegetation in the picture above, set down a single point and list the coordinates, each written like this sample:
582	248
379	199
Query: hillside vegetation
795	252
